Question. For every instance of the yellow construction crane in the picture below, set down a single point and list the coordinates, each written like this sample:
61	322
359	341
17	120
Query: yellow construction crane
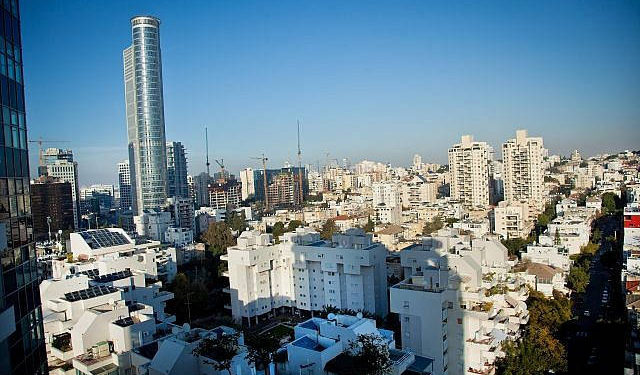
223	177
264	175
40	141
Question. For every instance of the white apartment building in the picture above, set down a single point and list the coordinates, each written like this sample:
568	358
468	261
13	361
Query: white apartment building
247	183
387	202
418	190
459	302
550	255
112	250
320	347
179	237
306	273
153	224
469	170
477	227
511	220
124	184
523	170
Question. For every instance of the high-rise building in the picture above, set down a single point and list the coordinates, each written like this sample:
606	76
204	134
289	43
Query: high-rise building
469	169
124	182
246	179
52	206
176	170
279	185
523	171
59	163
201	189
145	115
96	198
22	347
224	194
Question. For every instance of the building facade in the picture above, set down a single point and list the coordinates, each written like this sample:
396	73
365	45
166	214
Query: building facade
145	115
523	170
176	170
124	182
22	349
59	163
469	169
52	207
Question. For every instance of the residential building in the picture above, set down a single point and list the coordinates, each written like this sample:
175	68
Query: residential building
179	237
145	115
177	170
523	171
283	186
246	181
469	170
153	224
22	349
112	250
458	302
51	206
321	346
182	212
124	182
96	198
387	202
306	273
511	220
225	194
418	190
59	164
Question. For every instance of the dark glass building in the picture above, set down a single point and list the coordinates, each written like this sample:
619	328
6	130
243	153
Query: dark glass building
51	206
22	348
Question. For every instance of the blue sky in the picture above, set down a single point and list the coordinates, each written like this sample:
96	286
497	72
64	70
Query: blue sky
376	79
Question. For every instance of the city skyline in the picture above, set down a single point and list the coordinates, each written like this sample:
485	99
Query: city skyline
250	80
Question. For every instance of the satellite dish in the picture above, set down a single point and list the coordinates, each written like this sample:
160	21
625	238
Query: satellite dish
186	327
359	315
331	316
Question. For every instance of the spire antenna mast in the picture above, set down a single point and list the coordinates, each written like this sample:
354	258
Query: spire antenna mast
206	140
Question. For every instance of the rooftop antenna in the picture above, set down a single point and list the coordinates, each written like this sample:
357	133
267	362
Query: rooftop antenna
206	140
300	186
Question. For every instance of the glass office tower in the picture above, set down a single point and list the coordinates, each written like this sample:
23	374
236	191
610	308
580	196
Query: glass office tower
22	348
145	115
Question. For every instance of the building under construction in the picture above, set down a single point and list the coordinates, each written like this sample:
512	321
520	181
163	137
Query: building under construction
283	186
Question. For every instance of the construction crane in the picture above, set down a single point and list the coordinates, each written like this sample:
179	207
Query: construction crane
264	175
220	162
40	141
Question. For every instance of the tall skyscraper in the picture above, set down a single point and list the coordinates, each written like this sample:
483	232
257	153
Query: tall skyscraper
22	348
177	170
523	170
469	169
124	182
59	163
145	115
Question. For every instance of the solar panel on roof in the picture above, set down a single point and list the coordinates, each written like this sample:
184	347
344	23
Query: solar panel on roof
99	238
92	292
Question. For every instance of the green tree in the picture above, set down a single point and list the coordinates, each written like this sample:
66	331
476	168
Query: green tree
596	236
548	312
578	279
218	237
433	226
277	230
218	352
293	224
328	229
236	221
609	203
590	248
261	350
536	353
370	355
516	245
369	227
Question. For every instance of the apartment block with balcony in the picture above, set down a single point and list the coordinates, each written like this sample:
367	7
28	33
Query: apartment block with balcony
469	169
